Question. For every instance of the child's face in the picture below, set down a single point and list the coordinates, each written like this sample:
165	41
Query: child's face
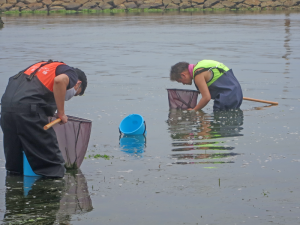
185	79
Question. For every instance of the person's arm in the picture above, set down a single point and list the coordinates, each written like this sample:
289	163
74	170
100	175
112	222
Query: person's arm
201	84
59	90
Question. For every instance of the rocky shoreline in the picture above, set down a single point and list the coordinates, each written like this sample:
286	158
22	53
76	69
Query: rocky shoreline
73	6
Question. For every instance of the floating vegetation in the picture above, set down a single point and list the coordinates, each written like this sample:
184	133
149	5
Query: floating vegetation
97	156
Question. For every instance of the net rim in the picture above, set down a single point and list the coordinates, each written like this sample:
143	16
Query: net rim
74	118
176	89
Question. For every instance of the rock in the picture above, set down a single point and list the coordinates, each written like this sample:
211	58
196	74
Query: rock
81	2
150	6
172	6
11	1
148	1
57	3
176	1
108	1
138	2
199	6
236	1
28	1
252	2
288	3
72	6
229	4
267	4
242	6
47	2
15	9
166	2
20	4
184	5
145	6
277	3
198	1
118	2
35	6
88	5
43	9
104	5
96	1
24	9
6	7
217	6
2	2
130	5
210	3
97	8
56	8
121	6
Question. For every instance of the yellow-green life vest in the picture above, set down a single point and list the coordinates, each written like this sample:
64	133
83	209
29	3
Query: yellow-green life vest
217	68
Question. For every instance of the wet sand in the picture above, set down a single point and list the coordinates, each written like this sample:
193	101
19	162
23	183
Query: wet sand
192	168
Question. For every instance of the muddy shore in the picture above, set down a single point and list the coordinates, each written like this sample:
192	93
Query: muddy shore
73	6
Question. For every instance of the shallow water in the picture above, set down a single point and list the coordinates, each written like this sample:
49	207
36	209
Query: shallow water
238	167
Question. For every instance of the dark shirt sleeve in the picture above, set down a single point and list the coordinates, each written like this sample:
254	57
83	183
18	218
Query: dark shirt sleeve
70	72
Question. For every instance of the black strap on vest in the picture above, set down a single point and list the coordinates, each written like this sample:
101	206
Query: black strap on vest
206	69
34	72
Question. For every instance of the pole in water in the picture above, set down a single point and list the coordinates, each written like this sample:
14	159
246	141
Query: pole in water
259	100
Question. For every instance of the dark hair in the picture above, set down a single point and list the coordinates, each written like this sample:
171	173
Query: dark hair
82	77
177	69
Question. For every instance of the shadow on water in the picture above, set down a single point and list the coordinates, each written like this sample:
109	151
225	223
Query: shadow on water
35	200
199	136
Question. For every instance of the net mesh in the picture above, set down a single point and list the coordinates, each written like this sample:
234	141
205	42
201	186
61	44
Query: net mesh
182	99
73	139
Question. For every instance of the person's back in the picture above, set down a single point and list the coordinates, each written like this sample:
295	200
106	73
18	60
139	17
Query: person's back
214	81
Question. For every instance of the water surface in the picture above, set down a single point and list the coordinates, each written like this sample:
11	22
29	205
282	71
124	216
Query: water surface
238	167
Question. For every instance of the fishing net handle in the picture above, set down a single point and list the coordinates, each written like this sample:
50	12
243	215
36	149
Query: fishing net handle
49	125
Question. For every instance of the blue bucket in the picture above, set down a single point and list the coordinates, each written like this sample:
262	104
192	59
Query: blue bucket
132	125
27	171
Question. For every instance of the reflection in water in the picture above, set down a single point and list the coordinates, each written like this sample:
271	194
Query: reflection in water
196	131
1	23
287	40
38	200
133	145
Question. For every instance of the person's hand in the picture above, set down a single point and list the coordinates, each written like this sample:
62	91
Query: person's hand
63	117
190	109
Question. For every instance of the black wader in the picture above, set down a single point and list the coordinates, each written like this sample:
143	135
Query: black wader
25	107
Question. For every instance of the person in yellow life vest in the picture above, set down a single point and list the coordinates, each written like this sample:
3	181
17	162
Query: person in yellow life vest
213	80
30	97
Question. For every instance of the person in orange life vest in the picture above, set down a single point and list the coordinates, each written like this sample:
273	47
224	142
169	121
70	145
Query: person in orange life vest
30	97
214	80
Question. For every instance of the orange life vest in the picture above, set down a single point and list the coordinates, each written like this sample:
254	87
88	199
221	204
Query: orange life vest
45	74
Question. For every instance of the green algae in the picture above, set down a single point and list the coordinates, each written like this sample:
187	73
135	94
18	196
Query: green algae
40	12
12	12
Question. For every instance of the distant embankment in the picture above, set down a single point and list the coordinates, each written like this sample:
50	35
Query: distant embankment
39	6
